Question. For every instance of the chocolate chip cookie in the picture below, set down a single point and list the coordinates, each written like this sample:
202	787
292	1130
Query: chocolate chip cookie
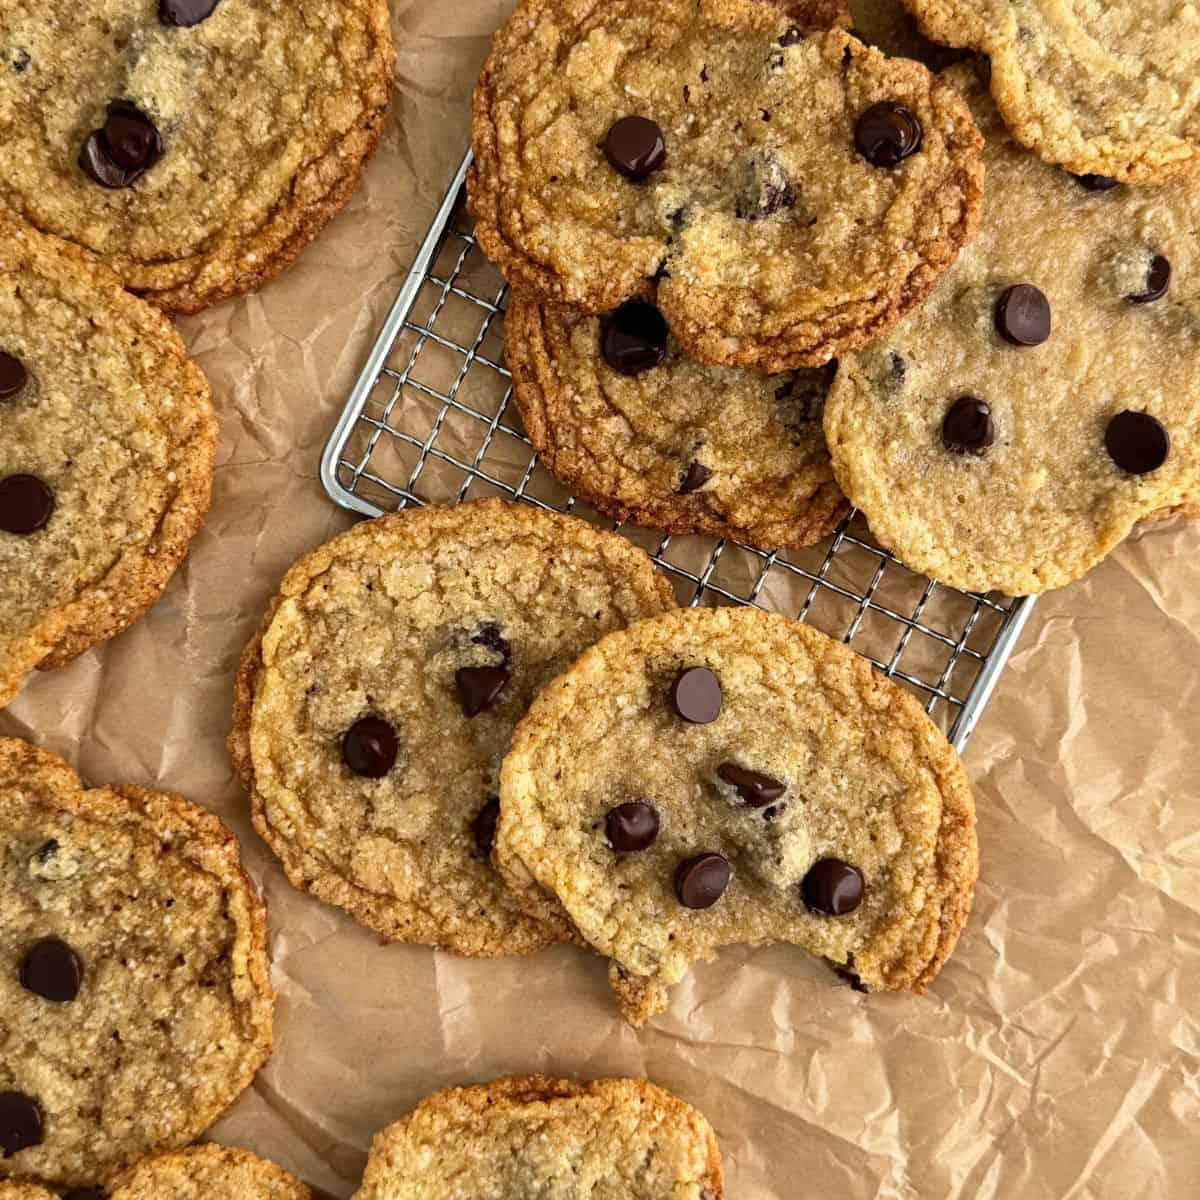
782	193
196	146
614	1139
1047	397
107	439
376	702
1099	88
721	776
135	1003
207	1172
644	433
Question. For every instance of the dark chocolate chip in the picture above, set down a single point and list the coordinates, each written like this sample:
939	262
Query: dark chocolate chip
1158	279
47	851
887	133
52	970
124	150
755	789
701	881
484	826
1097	183
13	376
696	476
793	37
632	826
1023	315
635	147
489	636
369	747
20	1123
479	687
20	61
1137	442
26	504
968	427
832	887
696	696
185	12
764	188
633	338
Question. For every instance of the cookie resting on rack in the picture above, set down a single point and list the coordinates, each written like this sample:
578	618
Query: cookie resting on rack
783	193
1047	397
511	1139
134	984
1100	87
724	776
629	423
376	702
107	440
195	147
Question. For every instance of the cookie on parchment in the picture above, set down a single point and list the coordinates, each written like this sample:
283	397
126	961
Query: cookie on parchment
646	434
1108	88
135	1003
107	440
721	776
207	1172
783	193
1047	397
613	1139
196	146
377	700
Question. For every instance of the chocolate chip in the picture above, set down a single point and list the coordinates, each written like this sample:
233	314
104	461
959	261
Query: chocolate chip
755	789
124	150
635	147
484	826
369	747
1158	279
696	696
47	851
13	376
632	826
793	37
887	133
20	61
633	338
1097	183
1137	442
701	881
696	476
479	687
968	427
20	1123
26	504
764	188
832	887
52	970
488	635
1023	315
185	12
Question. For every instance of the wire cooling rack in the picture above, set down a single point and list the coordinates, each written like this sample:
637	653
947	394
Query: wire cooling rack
431	420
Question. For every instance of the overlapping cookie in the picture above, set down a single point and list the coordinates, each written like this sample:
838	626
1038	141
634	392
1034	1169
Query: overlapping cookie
783	193
1109	89
107	440
1047	397
135	1004
511	1139
646	434
376	703
207	1172
196	146
725	776
889	26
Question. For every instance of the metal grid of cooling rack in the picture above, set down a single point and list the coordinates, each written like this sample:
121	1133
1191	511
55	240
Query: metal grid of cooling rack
430	420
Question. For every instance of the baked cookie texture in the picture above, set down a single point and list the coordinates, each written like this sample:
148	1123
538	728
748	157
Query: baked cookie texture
135	1004
682	447
767	239
1107	87
889	26
377	700
1044	499
614	1139
207	1172
250	132
721	776
108	428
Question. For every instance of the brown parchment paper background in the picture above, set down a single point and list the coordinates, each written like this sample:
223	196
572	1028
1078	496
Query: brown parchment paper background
1057	1053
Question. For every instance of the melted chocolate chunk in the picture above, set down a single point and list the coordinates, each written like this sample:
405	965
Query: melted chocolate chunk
1023	315
633	338
20	1123
369	747
635	147
124	150
52	970
968	427
755	789
887	133
696	696
1137	442
631	827
701	881
479	687
26	504
185	12
13	376
1158	279
832	887
695	477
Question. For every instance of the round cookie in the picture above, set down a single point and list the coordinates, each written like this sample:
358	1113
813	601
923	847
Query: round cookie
377	700
614	1139
1107	88
107	440
207	1172
721	776
1089	382
134	990
646	434
783	194
196	148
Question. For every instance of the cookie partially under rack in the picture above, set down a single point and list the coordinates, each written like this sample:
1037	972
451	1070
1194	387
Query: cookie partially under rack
431	419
